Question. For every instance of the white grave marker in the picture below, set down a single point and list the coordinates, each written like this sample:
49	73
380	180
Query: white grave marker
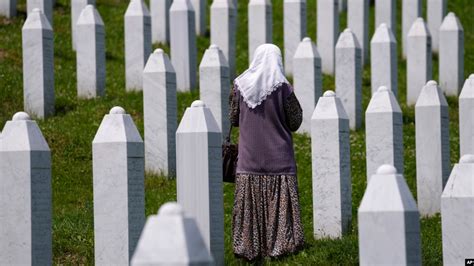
8	8
432	147
46	6
294	28
38	65
160	114
160	20
119	190
200	7
259	24
327	33
411	10
384	62
466	117
330	148
435	15
386	12
26	196
76	8
223	30
358	22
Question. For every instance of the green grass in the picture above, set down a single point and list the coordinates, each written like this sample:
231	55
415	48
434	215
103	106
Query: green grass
70	132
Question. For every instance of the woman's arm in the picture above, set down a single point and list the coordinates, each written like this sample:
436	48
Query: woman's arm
234	103
293	112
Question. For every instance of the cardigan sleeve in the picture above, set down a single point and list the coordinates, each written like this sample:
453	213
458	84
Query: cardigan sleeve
293	112
234	103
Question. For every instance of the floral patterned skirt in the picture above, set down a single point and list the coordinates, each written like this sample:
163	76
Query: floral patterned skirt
266	218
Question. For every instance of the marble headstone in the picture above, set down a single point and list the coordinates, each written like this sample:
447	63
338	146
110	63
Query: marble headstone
38	65
451	55
388	221
90	54
160	114
214	84
384	60
386	12
76	8
307	80
466	117
160	20
358	22
183	44
259	24
119	190
199	175
331	164
327	33
419	61
26	196
294	28
8	8
411	10
349	76
200	7
436	10
383	132
46	6
137	43
433	162
171	238
223	30
457	213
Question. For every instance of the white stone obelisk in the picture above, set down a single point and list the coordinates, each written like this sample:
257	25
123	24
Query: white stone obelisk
38	65
119	189
383	132
160	20
76	8
183	44
260	25
451	55
331	164
436	10
386	12
199	174
388	221
411	10
46	6
327	33
307	80
419	61
8	8
433	162
466	115
384	61
171	238
349	76
90	54
358	22
457	213
200	7
223	30
160	114
214	84
294	28
137	43
26	196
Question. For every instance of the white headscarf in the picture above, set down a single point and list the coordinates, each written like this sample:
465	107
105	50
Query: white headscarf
263	76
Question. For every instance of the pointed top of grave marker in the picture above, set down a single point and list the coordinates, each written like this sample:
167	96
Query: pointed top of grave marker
178	5
387	191
306	49
461	179
260	2
347	39
383	101
383	34
22	134
329	107
37	20
468	88
223	3
90	16
159	62
117	126
419	28
451	23
213	57
170	238
431	95
198	118
137	8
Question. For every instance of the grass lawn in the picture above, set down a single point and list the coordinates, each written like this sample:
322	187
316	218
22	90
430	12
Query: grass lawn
71	131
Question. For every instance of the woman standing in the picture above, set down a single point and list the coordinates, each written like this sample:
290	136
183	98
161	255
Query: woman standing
266	215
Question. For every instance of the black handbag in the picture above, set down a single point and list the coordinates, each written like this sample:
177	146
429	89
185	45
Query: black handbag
230	154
